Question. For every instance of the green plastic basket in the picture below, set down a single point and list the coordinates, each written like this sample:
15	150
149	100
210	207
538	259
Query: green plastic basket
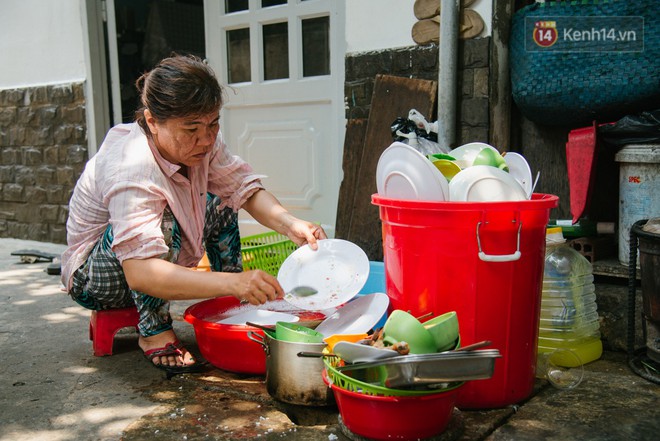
266	251
346	382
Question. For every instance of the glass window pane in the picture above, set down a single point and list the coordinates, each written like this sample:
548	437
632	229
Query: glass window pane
267	3
276	51
238	55
316	46
235	6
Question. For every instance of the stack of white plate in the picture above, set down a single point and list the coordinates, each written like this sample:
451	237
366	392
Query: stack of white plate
404	173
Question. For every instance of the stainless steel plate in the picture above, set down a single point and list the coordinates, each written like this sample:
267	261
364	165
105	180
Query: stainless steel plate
426	370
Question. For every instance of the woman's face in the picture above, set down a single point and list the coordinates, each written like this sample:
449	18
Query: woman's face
184	141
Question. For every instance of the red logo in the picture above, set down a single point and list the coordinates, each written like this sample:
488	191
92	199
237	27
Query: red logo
634	180
545	33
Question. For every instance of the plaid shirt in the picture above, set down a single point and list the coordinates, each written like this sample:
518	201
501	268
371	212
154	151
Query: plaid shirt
128	184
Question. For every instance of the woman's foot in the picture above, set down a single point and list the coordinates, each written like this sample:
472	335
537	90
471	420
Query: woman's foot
164	349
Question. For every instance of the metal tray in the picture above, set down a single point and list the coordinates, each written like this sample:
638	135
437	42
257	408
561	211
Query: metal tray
426	370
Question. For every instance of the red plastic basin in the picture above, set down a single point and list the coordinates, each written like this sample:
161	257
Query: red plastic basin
225	346
228	347
387	418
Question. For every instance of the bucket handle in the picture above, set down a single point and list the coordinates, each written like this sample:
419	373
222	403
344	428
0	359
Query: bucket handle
499	257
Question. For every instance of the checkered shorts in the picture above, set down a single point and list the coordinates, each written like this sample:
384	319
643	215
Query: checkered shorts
100	282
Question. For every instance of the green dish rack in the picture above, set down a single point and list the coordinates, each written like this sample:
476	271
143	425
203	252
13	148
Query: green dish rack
266	251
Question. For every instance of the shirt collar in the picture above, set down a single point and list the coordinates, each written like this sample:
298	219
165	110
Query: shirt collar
168	168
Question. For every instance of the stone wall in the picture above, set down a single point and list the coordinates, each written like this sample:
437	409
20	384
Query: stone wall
43	151
421	62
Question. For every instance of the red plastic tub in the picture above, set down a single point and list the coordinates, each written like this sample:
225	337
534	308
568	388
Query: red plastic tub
387	418
227	346
483	260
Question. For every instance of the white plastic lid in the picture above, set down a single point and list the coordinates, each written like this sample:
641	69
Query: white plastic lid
554	235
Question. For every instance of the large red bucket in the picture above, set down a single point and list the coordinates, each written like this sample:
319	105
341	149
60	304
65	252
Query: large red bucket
483	260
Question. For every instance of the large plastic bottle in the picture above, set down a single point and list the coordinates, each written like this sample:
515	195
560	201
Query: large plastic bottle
569	317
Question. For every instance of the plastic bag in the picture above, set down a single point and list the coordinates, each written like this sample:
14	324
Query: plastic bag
418	133
633	129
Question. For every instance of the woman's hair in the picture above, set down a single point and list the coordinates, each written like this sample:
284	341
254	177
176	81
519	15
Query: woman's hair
177	87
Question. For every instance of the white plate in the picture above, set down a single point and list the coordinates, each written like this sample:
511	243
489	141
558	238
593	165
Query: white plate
483	183
467	153
404	173
519	169
359	353
260	317
357	316
337	270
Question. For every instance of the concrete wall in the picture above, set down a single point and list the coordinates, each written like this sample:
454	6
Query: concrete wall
43	151
373	25
43	128
41	42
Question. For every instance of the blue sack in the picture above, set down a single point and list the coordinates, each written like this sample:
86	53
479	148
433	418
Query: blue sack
574	62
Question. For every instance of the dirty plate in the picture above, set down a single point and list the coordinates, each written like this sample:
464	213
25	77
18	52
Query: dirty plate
357	316
337	270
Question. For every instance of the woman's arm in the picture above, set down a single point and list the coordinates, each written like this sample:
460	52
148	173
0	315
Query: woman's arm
267	210
166	280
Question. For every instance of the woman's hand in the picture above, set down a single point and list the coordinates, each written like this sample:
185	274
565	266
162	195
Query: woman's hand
165	280
302	232
257	287
267	210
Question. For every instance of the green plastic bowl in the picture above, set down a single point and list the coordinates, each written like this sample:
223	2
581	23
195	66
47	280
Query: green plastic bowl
294	332
444	330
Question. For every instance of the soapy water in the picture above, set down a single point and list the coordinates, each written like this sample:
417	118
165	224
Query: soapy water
275	306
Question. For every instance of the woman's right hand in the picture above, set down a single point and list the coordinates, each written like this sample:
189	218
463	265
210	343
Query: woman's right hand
257	287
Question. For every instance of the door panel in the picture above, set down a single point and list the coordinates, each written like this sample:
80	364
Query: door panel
283	70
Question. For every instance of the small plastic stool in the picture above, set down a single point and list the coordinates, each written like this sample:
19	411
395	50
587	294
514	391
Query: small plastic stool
103	325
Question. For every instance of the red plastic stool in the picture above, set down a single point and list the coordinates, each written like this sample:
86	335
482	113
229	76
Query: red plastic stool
103	326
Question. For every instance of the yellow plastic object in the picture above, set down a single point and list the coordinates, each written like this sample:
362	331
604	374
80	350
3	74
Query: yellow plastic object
334	339
204	264
266	251
449	169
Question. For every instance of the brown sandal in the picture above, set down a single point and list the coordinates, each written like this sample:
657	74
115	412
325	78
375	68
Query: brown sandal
173	348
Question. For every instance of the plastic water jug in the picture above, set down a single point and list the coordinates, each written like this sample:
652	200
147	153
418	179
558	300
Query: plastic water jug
569	317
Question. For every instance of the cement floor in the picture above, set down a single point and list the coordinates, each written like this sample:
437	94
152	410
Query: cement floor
52	387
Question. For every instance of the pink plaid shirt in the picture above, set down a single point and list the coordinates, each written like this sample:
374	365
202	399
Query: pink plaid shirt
128	184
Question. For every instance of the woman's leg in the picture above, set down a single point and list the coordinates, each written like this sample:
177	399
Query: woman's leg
100	284
222	238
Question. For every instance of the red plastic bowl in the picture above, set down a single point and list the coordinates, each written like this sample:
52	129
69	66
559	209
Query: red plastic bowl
387	418
225	346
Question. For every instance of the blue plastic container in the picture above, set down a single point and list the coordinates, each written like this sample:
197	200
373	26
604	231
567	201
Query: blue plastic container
375	283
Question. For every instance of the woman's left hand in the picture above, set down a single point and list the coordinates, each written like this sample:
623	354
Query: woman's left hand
268	211
302	232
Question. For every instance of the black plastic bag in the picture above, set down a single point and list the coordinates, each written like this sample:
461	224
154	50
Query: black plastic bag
633	129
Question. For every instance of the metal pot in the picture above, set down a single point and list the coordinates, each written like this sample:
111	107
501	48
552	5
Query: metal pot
293	379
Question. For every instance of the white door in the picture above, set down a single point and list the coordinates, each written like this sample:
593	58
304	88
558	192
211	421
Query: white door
283	66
